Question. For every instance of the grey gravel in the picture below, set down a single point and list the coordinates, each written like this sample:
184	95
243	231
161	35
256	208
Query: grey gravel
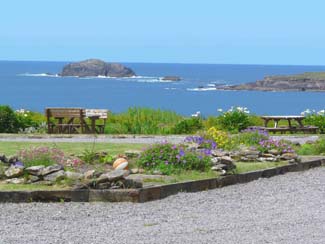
145	139
282	209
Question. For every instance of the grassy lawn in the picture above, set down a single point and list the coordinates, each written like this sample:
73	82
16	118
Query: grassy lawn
247	167
10	148
28	187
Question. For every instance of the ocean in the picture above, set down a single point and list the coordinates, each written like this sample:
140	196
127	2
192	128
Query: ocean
28	84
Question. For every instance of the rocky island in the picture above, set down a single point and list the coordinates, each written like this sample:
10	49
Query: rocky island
309	81
96	67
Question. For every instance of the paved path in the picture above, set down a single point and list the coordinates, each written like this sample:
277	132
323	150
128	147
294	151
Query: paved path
282	209
125	138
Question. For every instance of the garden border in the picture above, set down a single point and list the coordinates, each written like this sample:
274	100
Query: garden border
151	193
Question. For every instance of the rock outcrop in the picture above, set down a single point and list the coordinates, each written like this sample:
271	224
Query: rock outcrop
172	78
96	67
313	81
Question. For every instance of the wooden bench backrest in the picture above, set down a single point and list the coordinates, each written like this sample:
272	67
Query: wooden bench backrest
64	112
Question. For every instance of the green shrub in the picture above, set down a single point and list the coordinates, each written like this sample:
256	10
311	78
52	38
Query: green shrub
188	126
9	122
235	119
169	158
315	118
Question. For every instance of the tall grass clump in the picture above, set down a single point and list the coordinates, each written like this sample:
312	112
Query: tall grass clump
138	120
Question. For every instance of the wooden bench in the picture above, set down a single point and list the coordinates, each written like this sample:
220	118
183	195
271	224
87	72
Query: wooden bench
66	120
285	129
74	120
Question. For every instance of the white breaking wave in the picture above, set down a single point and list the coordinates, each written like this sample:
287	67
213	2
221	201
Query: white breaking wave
138	78
202	89
39	75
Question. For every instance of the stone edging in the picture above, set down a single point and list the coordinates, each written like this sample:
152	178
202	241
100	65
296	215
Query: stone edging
151	193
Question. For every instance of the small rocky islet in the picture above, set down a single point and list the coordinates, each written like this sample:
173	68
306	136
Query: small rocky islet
96	67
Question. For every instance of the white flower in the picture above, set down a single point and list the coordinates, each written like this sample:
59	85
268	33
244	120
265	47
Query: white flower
220	110
197	114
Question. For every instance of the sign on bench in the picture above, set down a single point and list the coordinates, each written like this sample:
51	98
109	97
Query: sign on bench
101	113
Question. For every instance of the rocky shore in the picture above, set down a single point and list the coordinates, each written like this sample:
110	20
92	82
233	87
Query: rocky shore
312	81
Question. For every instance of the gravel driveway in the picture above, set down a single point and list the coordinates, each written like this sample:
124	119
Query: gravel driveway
282	209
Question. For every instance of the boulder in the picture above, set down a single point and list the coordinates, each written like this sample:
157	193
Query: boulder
58	175
15	181
14	172
96	67
90	174
112	176
73	175
35	170
51	169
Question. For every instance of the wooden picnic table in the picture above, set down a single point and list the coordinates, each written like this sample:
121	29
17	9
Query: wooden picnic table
74	120
289	118
290	128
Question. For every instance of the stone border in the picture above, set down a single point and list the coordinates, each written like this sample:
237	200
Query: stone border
151	193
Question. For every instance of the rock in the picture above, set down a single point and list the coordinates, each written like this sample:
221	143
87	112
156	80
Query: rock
14	172
4	159
274	152
288	156
131	183
73	175
219	167
32	179
171	78
96	67
13	159
132	153
103	186
143	177
51	169
215	160
226	160
90	174
15	181
219	153
112	176
134	171
35	170
55	176
80	186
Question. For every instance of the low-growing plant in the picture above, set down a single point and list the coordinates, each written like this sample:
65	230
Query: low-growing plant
270	144
201	142
251	136
220	137
169	158
317	148
41	156
89	156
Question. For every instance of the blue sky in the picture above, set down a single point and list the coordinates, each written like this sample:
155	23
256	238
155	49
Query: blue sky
169	31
